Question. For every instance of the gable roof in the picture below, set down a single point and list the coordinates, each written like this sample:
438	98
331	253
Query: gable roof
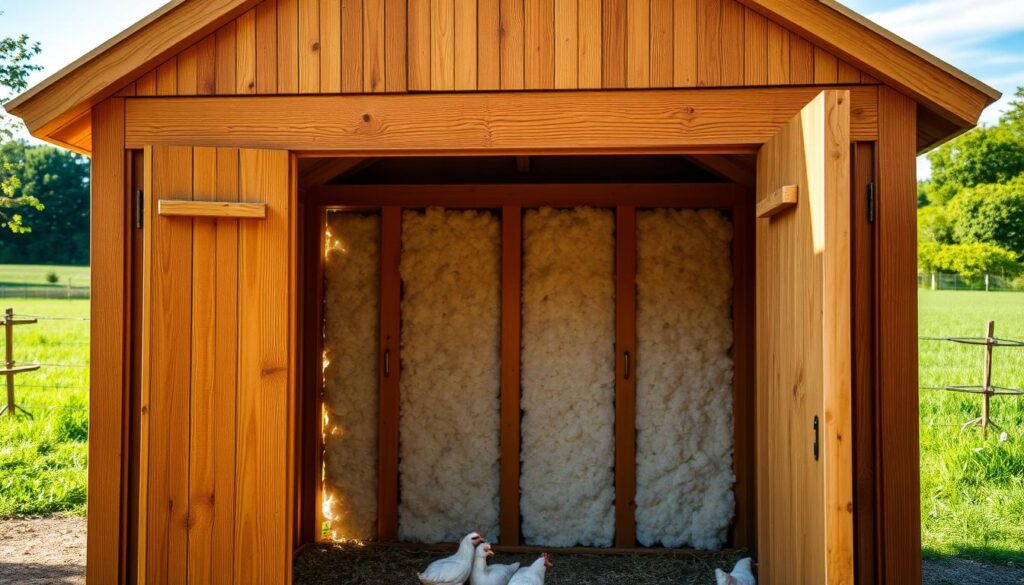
57	109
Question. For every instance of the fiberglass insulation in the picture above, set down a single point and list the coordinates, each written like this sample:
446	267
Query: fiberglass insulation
568	377
351	292
684	378
451	320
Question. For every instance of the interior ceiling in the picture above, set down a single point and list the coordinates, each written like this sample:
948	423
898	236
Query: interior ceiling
528	169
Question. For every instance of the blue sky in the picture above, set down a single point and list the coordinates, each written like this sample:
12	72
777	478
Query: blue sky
983	37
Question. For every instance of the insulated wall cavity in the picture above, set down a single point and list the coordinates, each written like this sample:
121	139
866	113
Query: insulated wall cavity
684	376
568	377
450	379
351	403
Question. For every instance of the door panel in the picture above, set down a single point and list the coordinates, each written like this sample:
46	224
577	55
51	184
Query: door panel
805	511
216	371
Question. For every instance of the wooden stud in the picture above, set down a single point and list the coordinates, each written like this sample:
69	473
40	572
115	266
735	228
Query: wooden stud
744	528
625	376
266	47
311	459
613	47
374	46
390	372
511	315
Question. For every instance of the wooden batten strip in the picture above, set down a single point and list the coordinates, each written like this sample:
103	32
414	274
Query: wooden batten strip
744	530
625	377
511	323
177	208
778	201
389	372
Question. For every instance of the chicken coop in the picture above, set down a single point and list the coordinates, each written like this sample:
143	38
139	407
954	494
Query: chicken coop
595	275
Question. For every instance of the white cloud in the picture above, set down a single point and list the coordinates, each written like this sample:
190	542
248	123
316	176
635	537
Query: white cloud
942	22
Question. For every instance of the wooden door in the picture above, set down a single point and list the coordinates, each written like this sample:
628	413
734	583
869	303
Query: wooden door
804	446
217	367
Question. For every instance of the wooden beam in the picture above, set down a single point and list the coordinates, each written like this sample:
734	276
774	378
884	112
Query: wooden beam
625	377
178	208
685	195
740	170
648	121
511	315
896	324
320	171
389	372
777	201
744	528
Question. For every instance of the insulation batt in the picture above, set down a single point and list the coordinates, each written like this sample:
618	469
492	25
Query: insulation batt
351	293
451	374
568	377
684	378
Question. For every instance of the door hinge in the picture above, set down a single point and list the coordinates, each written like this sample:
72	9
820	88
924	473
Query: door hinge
815	448
140	208
871	202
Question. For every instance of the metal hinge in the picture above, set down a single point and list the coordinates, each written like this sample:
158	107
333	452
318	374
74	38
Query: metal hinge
140	209
871	202
815	448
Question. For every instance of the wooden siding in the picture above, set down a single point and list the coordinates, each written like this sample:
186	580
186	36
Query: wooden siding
372	46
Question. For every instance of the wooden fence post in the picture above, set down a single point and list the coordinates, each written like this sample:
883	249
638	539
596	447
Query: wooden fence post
10	367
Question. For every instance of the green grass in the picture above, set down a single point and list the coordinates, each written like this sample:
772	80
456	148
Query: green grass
43	461
36	274
972	488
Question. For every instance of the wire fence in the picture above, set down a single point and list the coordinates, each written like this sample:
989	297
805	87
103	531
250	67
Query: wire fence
985	282
44	291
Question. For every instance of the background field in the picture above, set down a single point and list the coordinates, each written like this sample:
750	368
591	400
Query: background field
36	274
972	488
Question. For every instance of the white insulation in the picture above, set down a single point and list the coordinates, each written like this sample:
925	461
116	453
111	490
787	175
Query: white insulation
351	293
684	379
568	377
451	358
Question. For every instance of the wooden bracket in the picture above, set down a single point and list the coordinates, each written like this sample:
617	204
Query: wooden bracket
780	200
230	209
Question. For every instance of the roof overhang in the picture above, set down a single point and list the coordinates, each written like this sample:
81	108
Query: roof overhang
58	109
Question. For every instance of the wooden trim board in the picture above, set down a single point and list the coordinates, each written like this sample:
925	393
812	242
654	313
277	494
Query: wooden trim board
226	209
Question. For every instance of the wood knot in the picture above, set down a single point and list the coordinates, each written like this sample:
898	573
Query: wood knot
271	371
849	507
367	118
316	46
252	85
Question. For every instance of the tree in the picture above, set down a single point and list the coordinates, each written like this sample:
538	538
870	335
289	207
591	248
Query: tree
986	155
59	180
992	213
16	54
934	225
971	261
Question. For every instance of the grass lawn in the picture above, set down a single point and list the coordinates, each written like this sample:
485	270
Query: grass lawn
36	274
972	489
43	461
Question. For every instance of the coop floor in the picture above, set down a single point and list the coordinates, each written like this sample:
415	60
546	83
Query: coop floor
348	565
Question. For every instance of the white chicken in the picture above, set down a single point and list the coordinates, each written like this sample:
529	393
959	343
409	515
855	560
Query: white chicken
741	574
534	574
453	570
484	574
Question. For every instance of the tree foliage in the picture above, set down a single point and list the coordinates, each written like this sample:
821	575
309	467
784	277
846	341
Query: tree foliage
933	225
16	55
970	261
59	181
992	213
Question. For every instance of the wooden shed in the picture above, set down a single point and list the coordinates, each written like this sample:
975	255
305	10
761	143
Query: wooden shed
227	135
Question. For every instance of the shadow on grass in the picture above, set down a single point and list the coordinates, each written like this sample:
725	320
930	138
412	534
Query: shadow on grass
992	553
38	574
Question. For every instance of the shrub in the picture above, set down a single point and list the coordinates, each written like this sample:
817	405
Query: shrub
971	261
991	214
51	277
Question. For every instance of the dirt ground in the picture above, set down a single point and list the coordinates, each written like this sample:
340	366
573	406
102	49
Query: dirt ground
51	551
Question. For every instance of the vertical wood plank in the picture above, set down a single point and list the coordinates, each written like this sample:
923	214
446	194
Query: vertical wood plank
266	47
465	54
512	44
625	379
442	45
511	328
539	27
330	46
589	60
778	54
352	46
848	74
897	349
167	78
166	371
108	386
225	59
755	52
225	384
288	46
662	50
566	44
202	424
732	43
309	46
744	529
613	48
146	84
488	45
310	500
373	46
684	42
262	530
245	53
206	66
390	340
826	67
709	43
638	43
395	12
187	72
801	61
419	45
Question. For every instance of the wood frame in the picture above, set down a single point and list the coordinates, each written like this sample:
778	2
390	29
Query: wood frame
510	200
